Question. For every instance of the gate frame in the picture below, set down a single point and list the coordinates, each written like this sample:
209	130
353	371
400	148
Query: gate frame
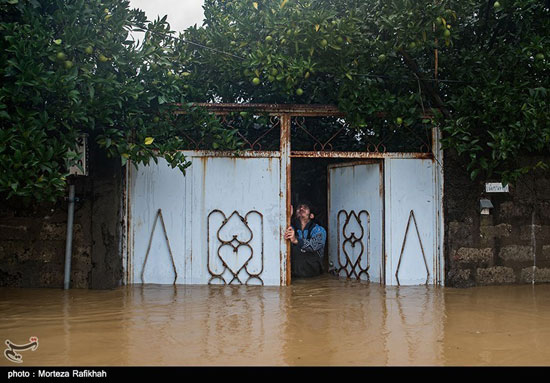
285	112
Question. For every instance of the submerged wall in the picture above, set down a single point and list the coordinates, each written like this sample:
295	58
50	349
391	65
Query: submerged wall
33	236
509	246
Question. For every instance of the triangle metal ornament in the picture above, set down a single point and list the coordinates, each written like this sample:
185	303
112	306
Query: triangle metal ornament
159	214
411	216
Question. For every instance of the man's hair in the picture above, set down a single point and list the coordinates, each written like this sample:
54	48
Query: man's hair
312	209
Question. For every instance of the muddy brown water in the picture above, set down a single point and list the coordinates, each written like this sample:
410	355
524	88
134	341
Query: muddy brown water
321	321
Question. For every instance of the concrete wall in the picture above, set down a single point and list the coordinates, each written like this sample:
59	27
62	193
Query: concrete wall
33	236
509	246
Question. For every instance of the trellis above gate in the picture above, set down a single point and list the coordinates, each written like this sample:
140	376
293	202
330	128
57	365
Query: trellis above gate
311	130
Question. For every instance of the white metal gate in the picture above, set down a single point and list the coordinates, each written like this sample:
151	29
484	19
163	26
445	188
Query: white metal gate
220	223
383	221
224	220
355	214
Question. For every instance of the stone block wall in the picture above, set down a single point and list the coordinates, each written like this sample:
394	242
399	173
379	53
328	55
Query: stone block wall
511	245
32	244
33	236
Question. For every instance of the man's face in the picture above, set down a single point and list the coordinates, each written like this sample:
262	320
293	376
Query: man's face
303	212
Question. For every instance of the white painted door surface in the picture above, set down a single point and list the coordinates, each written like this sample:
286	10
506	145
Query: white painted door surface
410	217
222	222
355	236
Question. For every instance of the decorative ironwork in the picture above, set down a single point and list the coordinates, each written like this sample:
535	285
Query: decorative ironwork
193	144
159	214
411	216
354	267
319	145
256	144
319	129
252	131
334	134
235	265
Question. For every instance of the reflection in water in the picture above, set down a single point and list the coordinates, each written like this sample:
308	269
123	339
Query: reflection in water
322	321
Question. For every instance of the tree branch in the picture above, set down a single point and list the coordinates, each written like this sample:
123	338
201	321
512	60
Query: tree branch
486	21
430	91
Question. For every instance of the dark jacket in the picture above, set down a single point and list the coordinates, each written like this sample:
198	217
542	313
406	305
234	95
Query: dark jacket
312	239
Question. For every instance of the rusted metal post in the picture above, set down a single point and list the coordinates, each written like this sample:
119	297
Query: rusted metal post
129	267
285	191
440	217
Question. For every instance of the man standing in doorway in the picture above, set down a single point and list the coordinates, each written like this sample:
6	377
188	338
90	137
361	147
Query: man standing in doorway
308	243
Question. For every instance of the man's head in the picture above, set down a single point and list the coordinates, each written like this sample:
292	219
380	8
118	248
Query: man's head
304	211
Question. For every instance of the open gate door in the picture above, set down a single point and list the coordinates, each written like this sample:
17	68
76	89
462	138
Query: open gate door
355	211
412	211
220	223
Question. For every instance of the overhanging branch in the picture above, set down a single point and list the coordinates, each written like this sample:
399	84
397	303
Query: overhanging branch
428	89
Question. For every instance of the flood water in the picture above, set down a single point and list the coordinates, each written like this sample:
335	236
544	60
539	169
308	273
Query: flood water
321	321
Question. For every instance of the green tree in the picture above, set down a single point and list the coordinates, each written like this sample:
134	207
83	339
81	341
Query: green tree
500	108
482	66
70	67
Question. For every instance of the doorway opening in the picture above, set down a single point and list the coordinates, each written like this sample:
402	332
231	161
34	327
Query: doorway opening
347	196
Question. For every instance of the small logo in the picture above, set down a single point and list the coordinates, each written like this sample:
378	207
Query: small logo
11	352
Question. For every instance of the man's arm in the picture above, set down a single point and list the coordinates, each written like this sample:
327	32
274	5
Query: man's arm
290	235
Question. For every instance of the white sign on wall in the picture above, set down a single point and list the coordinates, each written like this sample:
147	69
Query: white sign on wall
496	187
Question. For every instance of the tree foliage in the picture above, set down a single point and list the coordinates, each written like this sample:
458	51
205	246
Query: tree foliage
501	107
481	68
70	67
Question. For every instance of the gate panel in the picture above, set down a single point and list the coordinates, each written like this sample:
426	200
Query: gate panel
239	200
157	204
222	222
355	220
411	231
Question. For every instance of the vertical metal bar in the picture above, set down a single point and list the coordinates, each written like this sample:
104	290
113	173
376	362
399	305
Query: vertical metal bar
125	224
383	219
69	243
388	234
440	217
285	193
329	207
435	246
130	228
